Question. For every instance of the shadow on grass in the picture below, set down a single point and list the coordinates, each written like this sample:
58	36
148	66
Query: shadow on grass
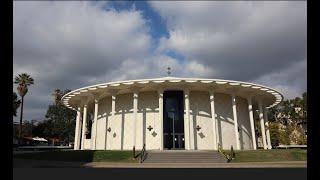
79	157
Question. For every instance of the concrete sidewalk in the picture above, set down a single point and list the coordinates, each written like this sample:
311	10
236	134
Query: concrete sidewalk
24	163
289	164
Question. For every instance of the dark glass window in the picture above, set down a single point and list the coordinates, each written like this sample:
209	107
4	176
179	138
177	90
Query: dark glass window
173	122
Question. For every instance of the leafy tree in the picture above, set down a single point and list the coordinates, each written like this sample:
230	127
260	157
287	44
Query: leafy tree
284	135
16	103
57	95
61	119
43	129
274	132
27	129
23	80
289	114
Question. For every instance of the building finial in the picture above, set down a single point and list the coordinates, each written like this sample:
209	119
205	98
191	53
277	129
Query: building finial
169	71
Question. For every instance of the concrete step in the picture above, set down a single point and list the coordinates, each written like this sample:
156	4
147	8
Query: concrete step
184	157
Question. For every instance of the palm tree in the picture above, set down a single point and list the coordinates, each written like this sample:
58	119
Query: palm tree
16	103
23	80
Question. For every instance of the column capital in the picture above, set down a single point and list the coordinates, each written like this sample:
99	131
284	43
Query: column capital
232	90
135	95
211	91
160	90
261	104
211	95
186	95
102	95
233	96
93	95
261	100
113	92
135	89
85	101
79	108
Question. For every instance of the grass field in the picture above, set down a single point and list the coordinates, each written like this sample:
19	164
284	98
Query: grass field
270	155
80	156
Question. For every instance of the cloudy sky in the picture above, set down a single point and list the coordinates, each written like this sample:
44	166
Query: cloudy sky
75	44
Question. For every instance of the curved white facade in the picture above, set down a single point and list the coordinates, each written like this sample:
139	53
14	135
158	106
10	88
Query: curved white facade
128	114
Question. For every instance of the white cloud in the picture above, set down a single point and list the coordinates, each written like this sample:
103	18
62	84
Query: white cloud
239	40
71	44
291	81
74	44
222	33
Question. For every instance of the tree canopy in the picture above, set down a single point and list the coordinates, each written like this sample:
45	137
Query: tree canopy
23	80
286	118
290	111
60	119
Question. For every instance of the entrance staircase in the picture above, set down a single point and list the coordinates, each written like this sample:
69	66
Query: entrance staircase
177	156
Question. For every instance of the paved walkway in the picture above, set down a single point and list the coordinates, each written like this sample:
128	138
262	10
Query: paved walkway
295	164
23	163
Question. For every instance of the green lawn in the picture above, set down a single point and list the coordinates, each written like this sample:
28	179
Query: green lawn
270	155
126	156
80	156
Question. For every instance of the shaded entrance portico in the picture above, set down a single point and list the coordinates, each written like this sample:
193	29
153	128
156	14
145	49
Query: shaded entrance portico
173	121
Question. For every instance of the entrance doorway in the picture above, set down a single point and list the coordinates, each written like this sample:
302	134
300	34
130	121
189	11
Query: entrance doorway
173	121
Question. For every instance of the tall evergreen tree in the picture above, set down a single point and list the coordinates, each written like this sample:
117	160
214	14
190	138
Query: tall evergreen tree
23	80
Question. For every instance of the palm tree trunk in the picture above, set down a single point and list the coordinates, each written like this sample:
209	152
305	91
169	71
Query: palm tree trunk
20	125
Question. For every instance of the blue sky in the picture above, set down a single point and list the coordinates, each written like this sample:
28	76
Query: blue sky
71	44
157	24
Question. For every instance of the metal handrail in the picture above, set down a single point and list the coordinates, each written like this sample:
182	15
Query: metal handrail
134	152
230	156
143	153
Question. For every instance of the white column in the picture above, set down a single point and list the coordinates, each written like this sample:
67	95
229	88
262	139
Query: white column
235	118
135	115
187	136
113	111
84	124
213	117
77	132
80	128
95	120
160	92
267	128
253	132
263	132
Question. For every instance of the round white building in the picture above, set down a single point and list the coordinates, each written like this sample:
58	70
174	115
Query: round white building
171	113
